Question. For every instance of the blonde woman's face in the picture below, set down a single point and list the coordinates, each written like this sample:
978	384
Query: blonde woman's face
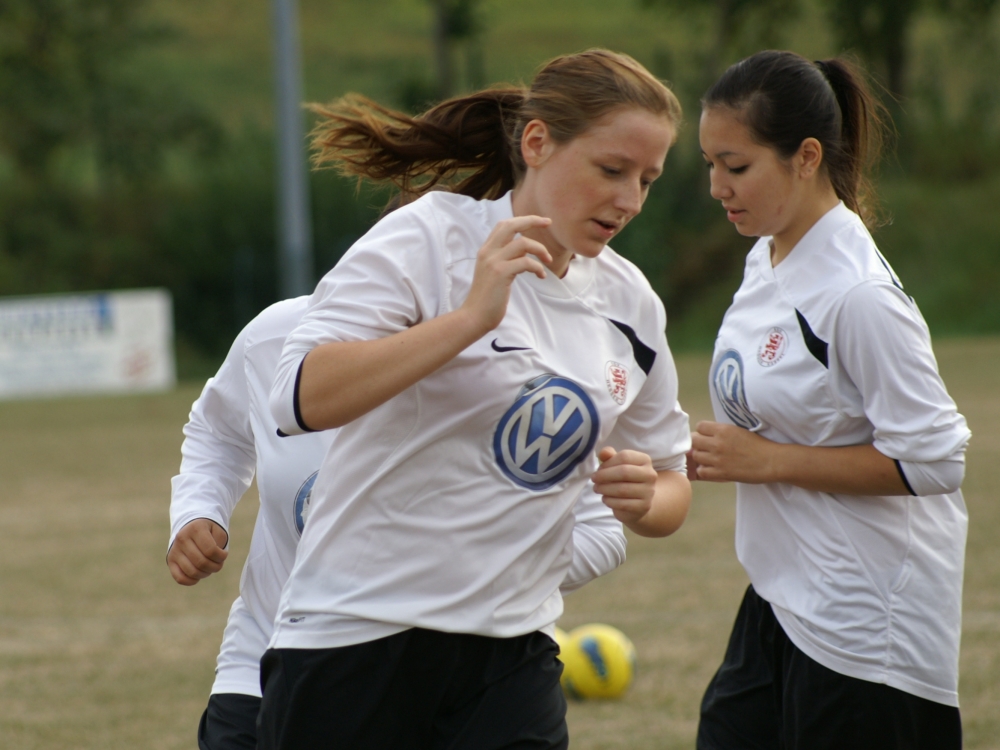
594	185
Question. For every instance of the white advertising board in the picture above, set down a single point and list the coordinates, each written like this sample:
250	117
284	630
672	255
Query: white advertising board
106	342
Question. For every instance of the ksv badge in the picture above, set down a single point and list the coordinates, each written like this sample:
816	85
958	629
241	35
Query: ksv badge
772	348
616	376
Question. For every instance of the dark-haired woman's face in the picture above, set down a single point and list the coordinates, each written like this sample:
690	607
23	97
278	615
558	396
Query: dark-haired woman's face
758	189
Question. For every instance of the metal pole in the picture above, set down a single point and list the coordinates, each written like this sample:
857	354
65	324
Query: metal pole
294	230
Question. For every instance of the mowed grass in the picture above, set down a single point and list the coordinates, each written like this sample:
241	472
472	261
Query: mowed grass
100	649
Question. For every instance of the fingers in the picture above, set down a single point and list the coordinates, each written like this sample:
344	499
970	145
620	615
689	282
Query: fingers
622	472
179	575
625	477
609	458
711	474
517	248
692	466
507	239
506	230
708	428
190	562
220	536
627	510
197	551
526	263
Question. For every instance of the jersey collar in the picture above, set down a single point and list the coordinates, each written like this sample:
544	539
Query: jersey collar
814	240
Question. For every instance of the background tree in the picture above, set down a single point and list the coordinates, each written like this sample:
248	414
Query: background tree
457	23
738	27
879	31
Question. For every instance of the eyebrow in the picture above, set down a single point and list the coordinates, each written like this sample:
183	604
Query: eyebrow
630	161
721	154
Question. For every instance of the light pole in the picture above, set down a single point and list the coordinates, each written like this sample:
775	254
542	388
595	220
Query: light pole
294	231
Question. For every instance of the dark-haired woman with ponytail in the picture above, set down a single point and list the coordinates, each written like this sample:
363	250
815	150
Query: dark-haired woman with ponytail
485	357
846	449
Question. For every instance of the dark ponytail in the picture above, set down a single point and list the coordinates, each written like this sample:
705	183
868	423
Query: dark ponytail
472	144
782	98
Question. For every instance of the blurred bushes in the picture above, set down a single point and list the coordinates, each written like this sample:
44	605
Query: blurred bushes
110	180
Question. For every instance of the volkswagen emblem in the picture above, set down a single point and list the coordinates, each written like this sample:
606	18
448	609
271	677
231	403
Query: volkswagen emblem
727	379
550	428
300	509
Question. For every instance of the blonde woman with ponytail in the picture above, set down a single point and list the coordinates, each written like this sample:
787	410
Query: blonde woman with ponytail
845	447
486	357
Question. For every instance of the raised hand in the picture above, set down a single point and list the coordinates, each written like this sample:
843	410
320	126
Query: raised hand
504	255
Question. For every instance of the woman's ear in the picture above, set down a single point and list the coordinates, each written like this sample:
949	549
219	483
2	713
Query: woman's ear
809	158
536	143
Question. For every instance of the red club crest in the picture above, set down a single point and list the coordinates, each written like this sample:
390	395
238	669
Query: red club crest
616	376
772	348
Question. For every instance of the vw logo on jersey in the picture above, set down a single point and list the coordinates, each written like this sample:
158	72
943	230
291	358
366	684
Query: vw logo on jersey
550	428
727	379
300	508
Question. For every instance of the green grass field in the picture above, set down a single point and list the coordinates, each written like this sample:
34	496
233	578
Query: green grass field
100	649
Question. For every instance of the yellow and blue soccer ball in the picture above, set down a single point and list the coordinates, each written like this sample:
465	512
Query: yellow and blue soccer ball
598	661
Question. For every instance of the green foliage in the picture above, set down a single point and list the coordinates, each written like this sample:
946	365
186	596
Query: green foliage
117	169
943	244
117	182
738	27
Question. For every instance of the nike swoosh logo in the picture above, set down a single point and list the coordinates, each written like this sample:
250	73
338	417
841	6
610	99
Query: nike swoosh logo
508	348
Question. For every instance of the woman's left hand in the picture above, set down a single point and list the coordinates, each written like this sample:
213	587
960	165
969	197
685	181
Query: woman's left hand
727	453
627	480
649	502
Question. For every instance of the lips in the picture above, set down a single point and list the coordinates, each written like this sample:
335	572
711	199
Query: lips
734	214
606	228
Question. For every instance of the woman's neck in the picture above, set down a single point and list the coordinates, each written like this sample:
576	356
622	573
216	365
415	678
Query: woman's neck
521	205
811	210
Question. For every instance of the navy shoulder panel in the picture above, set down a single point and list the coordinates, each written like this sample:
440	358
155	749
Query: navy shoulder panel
816	346
644	355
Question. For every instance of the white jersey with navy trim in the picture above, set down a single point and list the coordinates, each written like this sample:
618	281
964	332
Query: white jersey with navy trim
449	507
231	435
826	349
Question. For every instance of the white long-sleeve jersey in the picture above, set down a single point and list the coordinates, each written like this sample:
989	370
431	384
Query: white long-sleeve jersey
825	349
450	506
231	435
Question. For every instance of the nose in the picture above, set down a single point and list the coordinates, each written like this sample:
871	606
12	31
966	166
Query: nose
718	186
630	198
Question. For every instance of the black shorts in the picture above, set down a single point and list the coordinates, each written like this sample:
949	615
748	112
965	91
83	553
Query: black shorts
229	722
768	695
416	690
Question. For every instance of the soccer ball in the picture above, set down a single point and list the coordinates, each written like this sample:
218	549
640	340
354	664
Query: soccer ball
598	661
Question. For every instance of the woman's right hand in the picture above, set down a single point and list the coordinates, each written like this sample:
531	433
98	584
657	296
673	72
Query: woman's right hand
343	380
199	549
505	254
